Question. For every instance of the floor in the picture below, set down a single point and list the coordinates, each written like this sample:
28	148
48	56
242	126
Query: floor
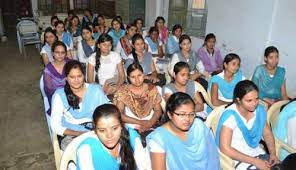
24	137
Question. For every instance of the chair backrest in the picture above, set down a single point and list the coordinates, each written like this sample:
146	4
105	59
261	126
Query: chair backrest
45	99
163	104
57	150
70	151
212	122
204	94
26	27
213	118
273	112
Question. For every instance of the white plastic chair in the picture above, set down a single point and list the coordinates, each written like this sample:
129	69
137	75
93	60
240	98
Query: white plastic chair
27	33
57	150
204	94
226	162
46	104
70	152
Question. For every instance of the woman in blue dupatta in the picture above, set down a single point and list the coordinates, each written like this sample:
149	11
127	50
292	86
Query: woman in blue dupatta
116	32
270	78
64	36
184	142
221	86
154	43
113	146
284	128
242	126
172	45
73	105
86	46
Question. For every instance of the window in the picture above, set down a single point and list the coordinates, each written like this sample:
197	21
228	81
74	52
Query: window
191	14
49	7
80	5
104	7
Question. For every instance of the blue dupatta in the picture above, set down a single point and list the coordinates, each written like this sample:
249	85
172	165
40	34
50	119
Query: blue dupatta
93	97
67	39
116	36
269	87
86	48
252	136
226	88
152	45
101	158
280	130
198	151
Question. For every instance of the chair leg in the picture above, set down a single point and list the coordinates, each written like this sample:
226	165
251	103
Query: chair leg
24	50
19	42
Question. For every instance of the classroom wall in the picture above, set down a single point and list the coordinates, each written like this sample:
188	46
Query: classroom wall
248	27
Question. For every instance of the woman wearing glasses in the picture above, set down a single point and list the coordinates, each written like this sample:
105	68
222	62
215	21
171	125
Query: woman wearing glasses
54	73
183	142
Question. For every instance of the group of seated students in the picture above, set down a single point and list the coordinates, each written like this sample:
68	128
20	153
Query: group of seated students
117	65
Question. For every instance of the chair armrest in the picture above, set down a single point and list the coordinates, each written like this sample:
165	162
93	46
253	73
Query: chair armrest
226	162
281	145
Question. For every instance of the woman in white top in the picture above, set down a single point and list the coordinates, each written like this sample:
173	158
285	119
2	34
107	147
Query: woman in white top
124	45
242	126
86	46
49	38
107	64
73	105
112	146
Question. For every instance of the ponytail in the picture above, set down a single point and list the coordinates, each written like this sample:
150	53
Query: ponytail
98	56
73	99
126	153
135	56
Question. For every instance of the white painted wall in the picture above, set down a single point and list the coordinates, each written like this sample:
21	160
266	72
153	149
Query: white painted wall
155	8
283	36
247	27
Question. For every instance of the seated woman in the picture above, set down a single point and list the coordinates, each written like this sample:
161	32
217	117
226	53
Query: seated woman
210	55
270	78
54	73
86	46
284	128
221	86
74	26
187	55
107	64
139	23
138	102
113	146
67	20
100	27
182	83
154	44
49	39
242	126
64	36
72	106
145	59
183	142
124	46
88	18
53	20
162	29
116	32
173	41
